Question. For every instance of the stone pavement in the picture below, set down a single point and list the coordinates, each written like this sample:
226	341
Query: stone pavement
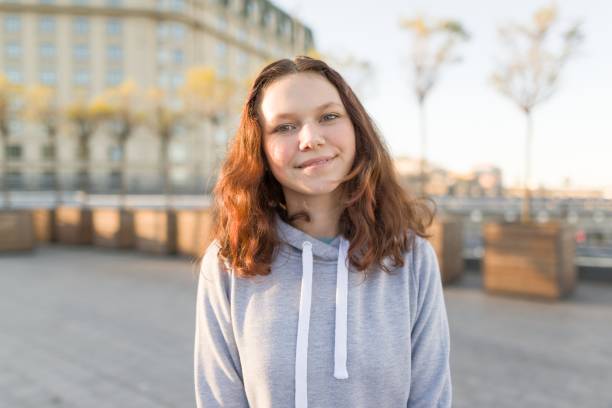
86	327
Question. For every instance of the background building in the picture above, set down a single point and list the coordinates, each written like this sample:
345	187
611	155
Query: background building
82	47
481	181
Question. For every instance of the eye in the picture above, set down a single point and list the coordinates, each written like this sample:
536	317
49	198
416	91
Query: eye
284	128
330	116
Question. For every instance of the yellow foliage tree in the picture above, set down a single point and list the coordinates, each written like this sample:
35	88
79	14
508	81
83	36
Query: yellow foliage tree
85	117
120	108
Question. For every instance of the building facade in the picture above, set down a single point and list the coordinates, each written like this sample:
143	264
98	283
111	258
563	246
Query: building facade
82	47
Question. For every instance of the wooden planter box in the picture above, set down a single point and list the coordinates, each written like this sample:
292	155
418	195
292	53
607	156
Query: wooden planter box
16	230
45	229
447	241
155	230
529	259
193	231
113	227
74	225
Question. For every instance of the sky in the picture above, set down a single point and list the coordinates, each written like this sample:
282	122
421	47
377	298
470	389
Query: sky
469	122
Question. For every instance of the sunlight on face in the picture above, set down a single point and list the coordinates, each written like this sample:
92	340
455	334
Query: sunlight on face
308	137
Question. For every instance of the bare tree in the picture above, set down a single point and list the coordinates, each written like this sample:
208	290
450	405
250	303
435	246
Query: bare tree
530	74
433	47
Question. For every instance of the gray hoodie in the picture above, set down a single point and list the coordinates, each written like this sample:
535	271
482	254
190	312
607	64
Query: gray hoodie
311	334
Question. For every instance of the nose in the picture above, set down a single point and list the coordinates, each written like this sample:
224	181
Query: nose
310	137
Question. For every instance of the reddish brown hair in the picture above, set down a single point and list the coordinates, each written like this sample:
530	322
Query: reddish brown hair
377	215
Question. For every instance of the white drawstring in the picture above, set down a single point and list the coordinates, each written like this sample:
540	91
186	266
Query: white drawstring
340	371
301	353
340	341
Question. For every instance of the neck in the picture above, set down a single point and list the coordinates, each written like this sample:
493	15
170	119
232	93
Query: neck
324	212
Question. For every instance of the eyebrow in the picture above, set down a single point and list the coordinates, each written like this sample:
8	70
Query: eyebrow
318	108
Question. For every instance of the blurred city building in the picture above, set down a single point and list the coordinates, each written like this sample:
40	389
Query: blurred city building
82	47
482	181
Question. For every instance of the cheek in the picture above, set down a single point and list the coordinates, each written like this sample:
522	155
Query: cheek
346	139
278	154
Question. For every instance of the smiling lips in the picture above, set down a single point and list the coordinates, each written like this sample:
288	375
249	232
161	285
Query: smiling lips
315	162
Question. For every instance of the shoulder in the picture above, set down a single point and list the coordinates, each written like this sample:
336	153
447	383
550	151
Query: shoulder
212	268
423	262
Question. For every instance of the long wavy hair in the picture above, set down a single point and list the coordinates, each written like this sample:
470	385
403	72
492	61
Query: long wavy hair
377	215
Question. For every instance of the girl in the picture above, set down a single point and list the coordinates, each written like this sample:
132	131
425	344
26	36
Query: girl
319	289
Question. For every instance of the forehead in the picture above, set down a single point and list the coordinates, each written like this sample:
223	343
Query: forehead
297	93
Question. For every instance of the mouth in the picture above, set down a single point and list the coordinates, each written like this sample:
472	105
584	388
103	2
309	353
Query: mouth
316	163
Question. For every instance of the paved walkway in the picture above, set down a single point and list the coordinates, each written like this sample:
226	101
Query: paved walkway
85	327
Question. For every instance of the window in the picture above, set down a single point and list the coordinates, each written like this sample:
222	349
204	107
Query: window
177	80
81	78
178	5
80	25
114	77
247	8
46	180
13	50
47	1
47	50
15	179
80	2
266	18
179	31
177	153
81	52
221	51
12	24
14	152
114	153
48	78
163	80
162	30
163	56
47	151
46	24
179	57
114	52
113	3
15	126
14	76
113	26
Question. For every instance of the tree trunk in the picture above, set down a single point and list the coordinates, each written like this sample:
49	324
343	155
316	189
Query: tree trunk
167	185
423	128
526	205
123	187
52	131
84	166
6	195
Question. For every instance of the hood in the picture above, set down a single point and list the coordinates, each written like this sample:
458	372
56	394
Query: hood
311	247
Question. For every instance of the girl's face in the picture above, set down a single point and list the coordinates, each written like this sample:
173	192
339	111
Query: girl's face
308	137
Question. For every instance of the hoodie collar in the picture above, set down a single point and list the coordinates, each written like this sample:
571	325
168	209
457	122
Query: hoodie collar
295	238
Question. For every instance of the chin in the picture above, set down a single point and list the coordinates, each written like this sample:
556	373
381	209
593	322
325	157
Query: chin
318	189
